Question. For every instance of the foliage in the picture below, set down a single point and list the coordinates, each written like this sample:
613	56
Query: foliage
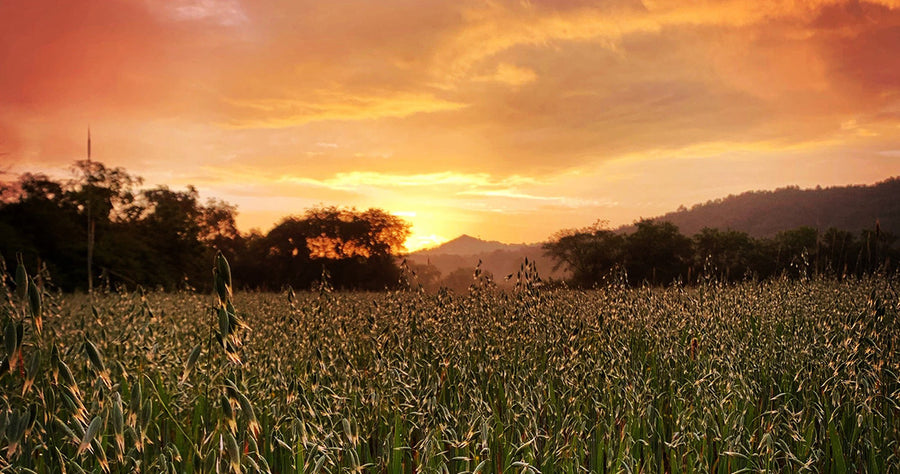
656	253
160	237
779	376
765	213
352	249
590	254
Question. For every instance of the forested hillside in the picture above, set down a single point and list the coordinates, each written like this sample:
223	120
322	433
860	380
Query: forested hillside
765	213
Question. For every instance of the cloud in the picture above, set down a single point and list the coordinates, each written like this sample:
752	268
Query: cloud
223	12
448	178
510	75
283	113
456	106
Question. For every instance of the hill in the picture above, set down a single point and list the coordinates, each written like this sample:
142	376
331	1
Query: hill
468	245
758	213
765	213
456	260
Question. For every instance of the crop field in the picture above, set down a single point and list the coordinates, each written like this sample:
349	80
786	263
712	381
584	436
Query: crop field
780	376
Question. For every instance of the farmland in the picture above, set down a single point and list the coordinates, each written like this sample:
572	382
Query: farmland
777	376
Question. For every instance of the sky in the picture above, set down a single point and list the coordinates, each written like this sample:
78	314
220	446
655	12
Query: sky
506	120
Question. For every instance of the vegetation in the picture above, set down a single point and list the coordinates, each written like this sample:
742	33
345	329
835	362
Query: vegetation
353	250
100	219
761	355
766	213
450	264
658	254
101	212
776	376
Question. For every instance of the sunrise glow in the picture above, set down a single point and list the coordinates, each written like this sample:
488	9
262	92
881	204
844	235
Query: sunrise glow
509	120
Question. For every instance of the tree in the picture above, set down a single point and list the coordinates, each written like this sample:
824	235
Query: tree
163	237
170	225
106	192
458	280
357	249
217	225
99	192
463	279
155	237
839	250
725	253
590	254
657	253
796	250
38	220
878	251
181	235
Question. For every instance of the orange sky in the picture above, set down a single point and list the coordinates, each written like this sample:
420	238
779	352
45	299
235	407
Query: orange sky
508	120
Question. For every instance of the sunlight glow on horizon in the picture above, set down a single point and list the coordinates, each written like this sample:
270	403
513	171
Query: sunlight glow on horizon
509	120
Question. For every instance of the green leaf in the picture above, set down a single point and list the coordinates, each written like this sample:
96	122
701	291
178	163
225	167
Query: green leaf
837	451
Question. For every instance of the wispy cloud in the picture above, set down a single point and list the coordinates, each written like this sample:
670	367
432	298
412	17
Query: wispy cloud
562	111
444	179
223	12
282	113
510	74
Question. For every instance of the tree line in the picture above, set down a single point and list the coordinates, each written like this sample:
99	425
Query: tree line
765	213
657	253
164	238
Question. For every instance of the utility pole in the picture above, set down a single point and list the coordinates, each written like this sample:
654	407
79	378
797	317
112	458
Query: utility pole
90	225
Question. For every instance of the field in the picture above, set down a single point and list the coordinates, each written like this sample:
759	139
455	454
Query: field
778	376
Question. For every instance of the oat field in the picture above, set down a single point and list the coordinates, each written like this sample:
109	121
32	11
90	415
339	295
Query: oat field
777	376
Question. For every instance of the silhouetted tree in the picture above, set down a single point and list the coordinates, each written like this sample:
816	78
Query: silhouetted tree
356	249
462	279
727	254
155	237
839	251
39	219
797	251
878	251
657	253
164	238
589	254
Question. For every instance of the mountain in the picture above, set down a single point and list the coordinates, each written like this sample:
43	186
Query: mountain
765	213
759	213
456	260
468	245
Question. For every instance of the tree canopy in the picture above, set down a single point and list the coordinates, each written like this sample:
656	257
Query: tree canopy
159	237
352	249
164	238
657	253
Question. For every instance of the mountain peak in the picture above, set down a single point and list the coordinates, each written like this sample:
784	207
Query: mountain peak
466	244
467	238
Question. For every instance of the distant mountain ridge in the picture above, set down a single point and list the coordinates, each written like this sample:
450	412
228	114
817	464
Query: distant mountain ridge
467	245
758	213
497	258
765	213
